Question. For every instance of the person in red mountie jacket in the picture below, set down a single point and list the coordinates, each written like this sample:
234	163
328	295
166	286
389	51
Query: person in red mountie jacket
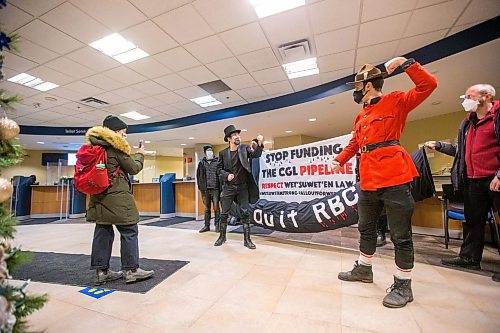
476	170
386	170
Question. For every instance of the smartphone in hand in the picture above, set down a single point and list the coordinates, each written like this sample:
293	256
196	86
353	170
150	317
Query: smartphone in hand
140	144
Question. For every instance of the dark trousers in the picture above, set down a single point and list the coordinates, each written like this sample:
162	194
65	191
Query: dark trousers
211	197
102	245
231	193
478	200
399	206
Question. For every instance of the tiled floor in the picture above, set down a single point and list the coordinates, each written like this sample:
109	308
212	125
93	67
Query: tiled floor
283	286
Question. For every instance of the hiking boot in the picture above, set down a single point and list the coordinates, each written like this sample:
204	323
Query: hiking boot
399	295
134	275
381	239
462	262
358	273
204	229
106	275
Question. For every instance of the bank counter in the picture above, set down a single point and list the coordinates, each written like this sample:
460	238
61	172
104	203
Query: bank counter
61	201
188	201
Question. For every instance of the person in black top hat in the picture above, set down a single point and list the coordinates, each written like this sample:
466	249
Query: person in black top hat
235	170
208	184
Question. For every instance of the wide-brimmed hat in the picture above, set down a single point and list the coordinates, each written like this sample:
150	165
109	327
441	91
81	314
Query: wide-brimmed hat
230	130
366	73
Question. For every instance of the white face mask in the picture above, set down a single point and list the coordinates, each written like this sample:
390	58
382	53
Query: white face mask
210	155
470	105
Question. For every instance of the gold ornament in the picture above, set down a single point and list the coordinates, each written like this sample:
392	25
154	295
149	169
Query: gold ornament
5	189
9	129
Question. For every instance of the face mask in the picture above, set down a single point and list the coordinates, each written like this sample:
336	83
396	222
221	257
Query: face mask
358	95
470	105
210	154
237	142
124	135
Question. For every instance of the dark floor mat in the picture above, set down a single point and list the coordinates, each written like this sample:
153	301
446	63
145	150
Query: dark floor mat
255	230
38	221
73	270
144	218
168	222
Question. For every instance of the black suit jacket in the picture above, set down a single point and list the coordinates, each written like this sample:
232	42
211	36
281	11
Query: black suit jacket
245	153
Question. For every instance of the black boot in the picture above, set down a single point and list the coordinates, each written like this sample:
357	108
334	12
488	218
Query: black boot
462	262
205	228
246	237
381	238
222	234
358	273
496	277
399	295
217	226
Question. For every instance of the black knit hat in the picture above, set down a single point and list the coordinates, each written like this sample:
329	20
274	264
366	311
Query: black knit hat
114	123
206	147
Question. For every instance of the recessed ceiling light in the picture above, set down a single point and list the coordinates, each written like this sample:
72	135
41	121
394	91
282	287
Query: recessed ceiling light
288	131
244	130
312	119
191	138
205	101
267	142
135	115
147	141
265	8
436	103
40	142
135	147
119	48
183	144
301	68
32	82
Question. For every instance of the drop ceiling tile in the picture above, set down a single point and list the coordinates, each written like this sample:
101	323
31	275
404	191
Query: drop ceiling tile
177	59
14	18
167	109
184	24
84	89
227	97
376	54
335	75
17	63
15	88
48	74
251	92
173	81
270	75
71	20
479	10
67	93
412	43
127	107
151	113
223	15
149	37
110	98
186	106
375	9
389	28
208	49
434	18
35	53
198	75
44	35
336	61
129	93
45	115
227	67
154	8
124	75
149	88
245	39
305	82
258	60
44	101
93	59
169	98
149	67
116	15
27	121
103	82
296	22
70	67
65	111
191	92
79	107
426	3
278	88
336	41
333	14
36	7
240	81
459	28
151	102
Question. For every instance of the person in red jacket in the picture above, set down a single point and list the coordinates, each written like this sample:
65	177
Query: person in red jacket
476	169
386	170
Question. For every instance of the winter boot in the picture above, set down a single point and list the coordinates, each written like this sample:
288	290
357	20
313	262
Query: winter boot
205	228
246	237
106	275
358	273
134	275
222	234
399	295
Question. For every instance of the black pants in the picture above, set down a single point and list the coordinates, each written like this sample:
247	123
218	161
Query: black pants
231	193
399	206
211	196
478	200
103	244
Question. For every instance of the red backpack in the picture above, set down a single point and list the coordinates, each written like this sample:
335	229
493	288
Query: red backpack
91	174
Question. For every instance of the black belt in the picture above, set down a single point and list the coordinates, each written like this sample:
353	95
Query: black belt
373	146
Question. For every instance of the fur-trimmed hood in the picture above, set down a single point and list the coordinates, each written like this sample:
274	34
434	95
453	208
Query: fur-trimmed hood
100	135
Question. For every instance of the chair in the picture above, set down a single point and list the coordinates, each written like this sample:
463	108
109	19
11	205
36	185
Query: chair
453	208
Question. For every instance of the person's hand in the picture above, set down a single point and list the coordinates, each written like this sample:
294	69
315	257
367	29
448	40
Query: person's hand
394	63
230	177
495	184
141	151
431	144
260	139
335	166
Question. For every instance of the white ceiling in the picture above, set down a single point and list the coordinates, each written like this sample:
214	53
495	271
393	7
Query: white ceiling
193	42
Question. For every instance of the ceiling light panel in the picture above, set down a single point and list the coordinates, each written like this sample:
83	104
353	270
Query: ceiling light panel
265	8
119	48
32	82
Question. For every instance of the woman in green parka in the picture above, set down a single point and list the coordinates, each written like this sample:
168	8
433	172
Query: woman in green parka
116	205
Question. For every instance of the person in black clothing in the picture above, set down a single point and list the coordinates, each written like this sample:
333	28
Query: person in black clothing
208	184
253	180
234	169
